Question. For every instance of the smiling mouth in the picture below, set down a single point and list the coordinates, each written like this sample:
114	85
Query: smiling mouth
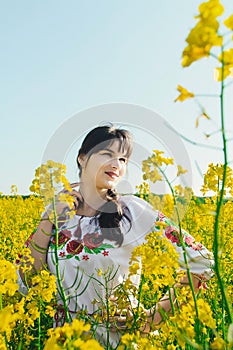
112	175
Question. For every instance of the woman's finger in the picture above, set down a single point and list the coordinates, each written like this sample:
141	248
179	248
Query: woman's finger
74	184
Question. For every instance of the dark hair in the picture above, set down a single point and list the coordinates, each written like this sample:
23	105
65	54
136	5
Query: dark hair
111	213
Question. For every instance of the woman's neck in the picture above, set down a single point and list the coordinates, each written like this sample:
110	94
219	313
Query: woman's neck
92	200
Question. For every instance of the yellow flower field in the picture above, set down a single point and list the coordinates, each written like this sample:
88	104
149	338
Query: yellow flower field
197	321
26	321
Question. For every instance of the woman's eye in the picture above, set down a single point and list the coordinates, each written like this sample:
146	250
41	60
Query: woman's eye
123	160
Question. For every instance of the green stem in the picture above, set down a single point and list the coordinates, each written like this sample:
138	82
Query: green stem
176	299
107	311
20	342
220	204
222	321
136	315
214	56
58	273
206	95
171	302
39	330
182	243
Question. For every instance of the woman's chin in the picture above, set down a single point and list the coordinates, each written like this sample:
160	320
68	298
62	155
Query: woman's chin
110	185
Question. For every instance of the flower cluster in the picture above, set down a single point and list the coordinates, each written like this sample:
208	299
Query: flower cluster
155	168
74	336
156	260
49	179
204	35
213	179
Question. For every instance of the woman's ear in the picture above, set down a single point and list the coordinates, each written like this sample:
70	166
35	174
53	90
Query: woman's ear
81	160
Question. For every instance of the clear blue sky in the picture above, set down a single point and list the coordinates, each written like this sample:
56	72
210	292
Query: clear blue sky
61	57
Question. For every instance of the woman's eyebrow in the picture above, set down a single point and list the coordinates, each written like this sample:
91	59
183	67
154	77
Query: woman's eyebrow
108	150
112	152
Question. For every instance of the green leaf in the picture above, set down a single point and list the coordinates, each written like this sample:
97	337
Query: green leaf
98	250
69	256
87	250
106	245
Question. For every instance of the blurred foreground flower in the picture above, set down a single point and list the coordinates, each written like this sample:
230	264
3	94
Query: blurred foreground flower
72	336
51	183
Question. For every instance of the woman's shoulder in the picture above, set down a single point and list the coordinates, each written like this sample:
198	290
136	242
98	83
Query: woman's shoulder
136	206
142	217
131	199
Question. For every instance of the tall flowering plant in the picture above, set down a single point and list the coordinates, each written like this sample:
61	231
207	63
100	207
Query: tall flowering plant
212	38
52	185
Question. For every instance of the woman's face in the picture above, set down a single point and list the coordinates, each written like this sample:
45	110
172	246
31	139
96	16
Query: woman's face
104	168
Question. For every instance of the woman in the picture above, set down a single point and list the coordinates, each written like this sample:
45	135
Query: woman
99	239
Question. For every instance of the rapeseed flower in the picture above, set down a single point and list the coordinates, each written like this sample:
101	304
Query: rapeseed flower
229	22
184	94
204	35
8	278
226	59
72	336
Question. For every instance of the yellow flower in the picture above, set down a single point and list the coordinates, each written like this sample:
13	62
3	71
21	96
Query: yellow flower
49	178
193	53
180	170
229	22
66	198
226	58
91	344
50	311
184	94
72	336
205	314
144	189
6	318
218	344
211	8
159	160
204	35
8	278
99	272
14	190
214	177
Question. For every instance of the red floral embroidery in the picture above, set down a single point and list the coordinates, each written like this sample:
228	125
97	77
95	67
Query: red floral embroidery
105	253
85	257
74	247
92	240
63	237
171	233
197	246
202	285
189	240
62	254
28	240
161	216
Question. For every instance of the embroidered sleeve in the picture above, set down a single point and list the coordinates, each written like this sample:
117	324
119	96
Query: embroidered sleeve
200	259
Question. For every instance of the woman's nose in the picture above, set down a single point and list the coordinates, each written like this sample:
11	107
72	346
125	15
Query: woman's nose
115	163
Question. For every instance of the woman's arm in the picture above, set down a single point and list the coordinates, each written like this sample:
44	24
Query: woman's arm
154	316
39	243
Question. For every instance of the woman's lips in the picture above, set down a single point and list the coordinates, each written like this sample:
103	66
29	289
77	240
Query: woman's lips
111	174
